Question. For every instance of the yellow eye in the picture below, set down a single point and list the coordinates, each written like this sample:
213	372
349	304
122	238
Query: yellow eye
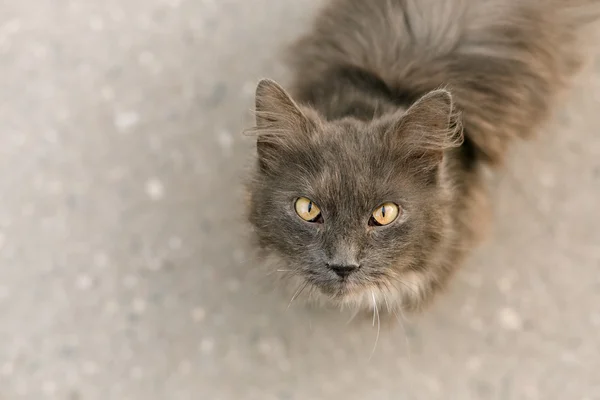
385	214
307	210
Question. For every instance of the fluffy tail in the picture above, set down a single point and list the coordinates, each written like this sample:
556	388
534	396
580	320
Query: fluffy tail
505	61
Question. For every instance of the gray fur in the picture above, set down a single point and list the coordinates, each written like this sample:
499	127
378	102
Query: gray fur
400	101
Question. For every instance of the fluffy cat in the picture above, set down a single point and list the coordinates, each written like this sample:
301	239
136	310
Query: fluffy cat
367	189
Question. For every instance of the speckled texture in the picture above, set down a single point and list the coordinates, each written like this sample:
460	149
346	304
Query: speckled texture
123	273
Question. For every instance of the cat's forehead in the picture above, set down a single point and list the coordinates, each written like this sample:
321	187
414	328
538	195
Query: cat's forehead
349	129
351	177
345	160
353	165
350	140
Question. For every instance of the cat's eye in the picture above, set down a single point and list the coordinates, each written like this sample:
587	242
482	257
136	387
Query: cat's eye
308	210
385	214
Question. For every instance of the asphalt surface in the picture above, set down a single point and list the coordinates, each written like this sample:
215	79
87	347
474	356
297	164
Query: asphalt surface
124	272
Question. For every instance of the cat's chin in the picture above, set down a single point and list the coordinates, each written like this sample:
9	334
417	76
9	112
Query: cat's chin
382	296
356	297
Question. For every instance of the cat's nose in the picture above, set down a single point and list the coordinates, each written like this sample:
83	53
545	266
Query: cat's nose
343	270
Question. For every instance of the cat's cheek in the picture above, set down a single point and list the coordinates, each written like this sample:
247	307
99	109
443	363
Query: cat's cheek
415	291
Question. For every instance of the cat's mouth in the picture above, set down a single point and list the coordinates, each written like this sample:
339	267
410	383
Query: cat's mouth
352	294
339	288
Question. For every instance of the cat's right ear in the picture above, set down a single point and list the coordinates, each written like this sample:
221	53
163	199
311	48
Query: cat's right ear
275	109
279	122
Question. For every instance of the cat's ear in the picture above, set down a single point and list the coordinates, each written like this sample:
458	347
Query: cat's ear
430	127
280	123
275	108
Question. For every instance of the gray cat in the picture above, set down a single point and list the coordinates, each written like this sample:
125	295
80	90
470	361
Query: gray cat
367	189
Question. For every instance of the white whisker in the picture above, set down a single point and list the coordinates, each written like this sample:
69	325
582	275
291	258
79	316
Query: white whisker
282	270
386	303
407	285
354	314
298	291
375	312
373	308
399	319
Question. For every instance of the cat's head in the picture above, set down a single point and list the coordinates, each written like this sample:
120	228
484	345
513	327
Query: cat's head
352	209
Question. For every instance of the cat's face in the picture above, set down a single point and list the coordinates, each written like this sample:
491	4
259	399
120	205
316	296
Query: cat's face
349	207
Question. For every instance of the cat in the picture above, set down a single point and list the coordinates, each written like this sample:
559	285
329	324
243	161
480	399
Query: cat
367	190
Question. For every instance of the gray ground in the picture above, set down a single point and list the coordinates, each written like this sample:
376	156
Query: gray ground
122	264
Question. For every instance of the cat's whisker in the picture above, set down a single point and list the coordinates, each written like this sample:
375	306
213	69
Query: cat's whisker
373	309
283	270
387	304
354	314
412	287
298	291
385	291
398	318
375	312
406	285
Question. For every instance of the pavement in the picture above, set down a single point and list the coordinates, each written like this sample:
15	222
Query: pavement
124	268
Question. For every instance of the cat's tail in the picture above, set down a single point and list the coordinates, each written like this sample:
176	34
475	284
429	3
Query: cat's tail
504	61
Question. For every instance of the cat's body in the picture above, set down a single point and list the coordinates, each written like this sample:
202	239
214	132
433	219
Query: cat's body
367	126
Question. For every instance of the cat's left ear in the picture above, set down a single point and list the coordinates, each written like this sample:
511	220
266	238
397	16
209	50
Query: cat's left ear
280	123
430	127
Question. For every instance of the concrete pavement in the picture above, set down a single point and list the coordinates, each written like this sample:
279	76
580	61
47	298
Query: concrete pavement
123	273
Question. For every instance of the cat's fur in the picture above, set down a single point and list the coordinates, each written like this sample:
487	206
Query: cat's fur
382	90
